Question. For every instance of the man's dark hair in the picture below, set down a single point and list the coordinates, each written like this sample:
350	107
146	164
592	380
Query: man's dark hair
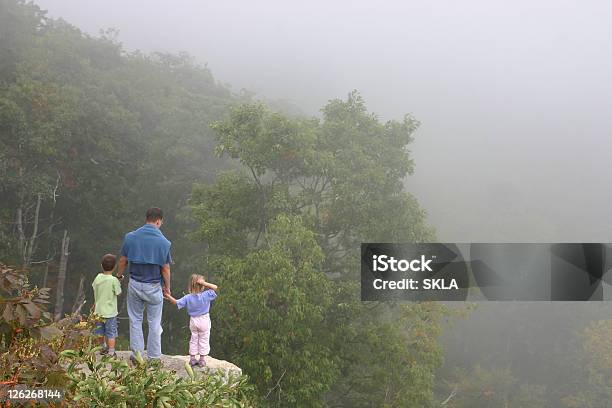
154	214
108	262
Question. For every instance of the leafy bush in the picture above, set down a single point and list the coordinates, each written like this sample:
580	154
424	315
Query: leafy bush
112	382
30	341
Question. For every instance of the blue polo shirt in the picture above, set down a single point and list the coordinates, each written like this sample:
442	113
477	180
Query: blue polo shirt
146	273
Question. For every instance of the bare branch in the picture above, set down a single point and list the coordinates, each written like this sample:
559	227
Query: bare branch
80	297
43	261
57	184
277	384
451	396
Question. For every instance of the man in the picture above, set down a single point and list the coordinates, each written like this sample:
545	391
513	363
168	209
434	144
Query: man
148	253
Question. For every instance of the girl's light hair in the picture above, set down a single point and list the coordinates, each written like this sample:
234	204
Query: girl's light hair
194	286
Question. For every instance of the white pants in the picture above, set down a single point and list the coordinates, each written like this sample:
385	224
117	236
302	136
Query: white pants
200	335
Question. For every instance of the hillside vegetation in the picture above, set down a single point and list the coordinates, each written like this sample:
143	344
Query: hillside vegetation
270	205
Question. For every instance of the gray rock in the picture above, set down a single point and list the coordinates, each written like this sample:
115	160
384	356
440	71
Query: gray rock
177	363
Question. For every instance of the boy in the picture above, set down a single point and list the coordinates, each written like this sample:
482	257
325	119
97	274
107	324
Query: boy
106	289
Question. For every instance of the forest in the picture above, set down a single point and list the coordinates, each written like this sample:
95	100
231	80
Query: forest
269	203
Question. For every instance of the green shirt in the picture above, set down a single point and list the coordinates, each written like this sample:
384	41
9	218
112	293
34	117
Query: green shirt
106	289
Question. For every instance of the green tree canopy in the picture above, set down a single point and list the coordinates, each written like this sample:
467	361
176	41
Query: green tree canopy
283	231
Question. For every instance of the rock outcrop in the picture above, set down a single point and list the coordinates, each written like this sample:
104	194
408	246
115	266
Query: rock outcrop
177	363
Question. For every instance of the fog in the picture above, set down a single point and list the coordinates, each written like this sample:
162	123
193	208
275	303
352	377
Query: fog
514	97
514	100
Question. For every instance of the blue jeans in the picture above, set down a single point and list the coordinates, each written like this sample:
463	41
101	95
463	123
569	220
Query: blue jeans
140	296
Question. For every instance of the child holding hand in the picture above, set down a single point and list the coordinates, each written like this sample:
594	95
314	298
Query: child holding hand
197	303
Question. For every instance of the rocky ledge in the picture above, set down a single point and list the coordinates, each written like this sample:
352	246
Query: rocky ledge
177	363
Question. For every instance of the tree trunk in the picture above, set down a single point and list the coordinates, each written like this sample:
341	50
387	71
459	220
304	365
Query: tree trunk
20	233
31	244
80	297
123	302
61	276
50	258
46	275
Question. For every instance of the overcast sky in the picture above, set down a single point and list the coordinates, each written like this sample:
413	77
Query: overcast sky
515	97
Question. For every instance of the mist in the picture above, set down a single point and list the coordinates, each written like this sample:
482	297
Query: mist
513	100
513	97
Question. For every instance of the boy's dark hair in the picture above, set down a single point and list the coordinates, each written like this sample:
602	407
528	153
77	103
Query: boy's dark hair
154	214
108	262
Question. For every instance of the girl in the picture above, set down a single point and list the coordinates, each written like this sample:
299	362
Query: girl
197	303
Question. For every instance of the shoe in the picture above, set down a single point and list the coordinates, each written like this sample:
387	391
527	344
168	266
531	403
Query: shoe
193	362
202	362
104	351
133	361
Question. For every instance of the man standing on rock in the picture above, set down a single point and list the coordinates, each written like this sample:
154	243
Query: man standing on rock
148	253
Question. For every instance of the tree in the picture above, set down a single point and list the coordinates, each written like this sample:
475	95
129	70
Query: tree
344	174
342	179
273	302
593	379
480	387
